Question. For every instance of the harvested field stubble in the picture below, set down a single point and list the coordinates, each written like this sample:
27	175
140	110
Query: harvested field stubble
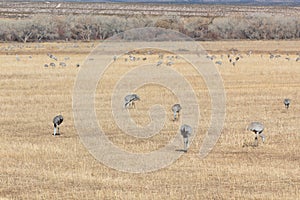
36	165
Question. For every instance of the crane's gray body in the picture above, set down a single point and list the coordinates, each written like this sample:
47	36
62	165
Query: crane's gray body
186	132
57	120
176	109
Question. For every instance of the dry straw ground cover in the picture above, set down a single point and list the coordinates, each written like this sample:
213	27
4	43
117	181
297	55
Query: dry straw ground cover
36	165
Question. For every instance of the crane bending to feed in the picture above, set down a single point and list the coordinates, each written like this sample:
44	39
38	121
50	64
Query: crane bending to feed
176	109
257	128
287	103
57	120
186	132
130	99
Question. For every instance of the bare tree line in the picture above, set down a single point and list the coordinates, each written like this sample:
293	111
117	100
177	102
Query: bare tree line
90	27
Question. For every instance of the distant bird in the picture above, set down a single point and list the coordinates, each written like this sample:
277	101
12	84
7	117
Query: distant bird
159	63
115	57
170	63
176	109
52	56
45	65
186	132
132	58
77	65
287	103
58	5
218	62
130	99
257	128
209	57
57	120
297	59
52	64
62	64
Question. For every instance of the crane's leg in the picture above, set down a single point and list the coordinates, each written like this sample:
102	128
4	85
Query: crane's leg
58	131
256	142
263	137
133	104
186	143
54	132
174	116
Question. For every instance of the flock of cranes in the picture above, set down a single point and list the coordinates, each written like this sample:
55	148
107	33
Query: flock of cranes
129	101
186	130
233	57
61	63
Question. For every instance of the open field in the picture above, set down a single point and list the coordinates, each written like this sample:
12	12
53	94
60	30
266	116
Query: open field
36	165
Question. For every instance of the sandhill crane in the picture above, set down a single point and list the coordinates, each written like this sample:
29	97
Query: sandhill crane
132	58
130	99
287	103
57	120
277	56
62	64
218	62
52	56
209	57
176	109
257	128
170	63
159	63
58	5
186	132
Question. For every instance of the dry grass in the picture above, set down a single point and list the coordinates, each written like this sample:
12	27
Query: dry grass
36	165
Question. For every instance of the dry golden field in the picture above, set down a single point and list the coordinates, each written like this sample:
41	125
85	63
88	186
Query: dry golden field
36	165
